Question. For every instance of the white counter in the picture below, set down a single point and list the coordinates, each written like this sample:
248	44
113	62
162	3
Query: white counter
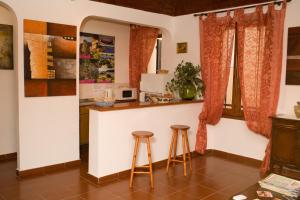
111	143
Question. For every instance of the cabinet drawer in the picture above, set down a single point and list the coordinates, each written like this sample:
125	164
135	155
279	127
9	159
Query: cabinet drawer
284	144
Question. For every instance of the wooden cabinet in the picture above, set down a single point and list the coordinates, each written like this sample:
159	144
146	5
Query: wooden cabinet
285	153
84	125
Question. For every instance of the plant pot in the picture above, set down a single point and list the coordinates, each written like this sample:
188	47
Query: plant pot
188	92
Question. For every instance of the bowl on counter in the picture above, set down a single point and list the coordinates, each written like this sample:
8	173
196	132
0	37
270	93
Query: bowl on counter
104	103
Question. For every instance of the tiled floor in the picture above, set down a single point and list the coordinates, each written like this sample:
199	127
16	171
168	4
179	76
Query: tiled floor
212	178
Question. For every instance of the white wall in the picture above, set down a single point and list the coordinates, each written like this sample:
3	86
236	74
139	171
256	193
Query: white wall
121	31
290	94
49	126
232	135
8	94
186	29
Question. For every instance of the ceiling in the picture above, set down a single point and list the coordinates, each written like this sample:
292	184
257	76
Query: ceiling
180	7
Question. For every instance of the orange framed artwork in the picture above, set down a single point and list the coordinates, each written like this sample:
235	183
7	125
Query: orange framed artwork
49	59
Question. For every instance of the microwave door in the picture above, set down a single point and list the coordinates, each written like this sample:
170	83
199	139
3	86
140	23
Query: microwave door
127	94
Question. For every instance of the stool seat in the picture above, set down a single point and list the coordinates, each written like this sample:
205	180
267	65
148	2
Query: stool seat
180	127
142	134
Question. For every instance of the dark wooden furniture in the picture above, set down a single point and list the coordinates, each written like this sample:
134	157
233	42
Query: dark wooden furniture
138	135
285	152
84	125
185	147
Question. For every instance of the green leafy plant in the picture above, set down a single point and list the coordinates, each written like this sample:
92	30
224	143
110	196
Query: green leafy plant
185	74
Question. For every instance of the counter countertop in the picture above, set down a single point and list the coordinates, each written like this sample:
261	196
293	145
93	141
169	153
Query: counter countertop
135	105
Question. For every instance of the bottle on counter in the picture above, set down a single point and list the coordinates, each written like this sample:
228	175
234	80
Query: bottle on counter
142	96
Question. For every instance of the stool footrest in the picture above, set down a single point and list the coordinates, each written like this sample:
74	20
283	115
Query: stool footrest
141	172
145	166
176	161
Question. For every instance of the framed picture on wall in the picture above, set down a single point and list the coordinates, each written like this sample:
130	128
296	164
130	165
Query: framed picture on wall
181	47
6	47
97	58
49	59
293	57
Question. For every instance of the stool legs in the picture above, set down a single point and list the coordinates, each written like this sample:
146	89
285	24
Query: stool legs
175	145
188	148
185	150
150	162
136	146
170	150
133	166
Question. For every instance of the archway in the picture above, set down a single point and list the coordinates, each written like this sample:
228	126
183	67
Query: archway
93	26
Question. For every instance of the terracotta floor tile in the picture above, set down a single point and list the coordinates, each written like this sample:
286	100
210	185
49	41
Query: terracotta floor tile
178	183
159	190
99	194
140	195
216	183
121	188
81	187
198	191
217	196
74	198
180	196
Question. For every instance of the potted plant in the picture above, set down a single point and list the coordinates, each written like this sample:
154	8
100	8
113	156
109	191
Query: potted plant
187	81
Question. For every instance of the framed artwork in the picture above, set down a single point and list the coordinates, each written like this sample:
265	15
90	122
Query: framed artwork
49	59
293	57
6	47
97	58
181	47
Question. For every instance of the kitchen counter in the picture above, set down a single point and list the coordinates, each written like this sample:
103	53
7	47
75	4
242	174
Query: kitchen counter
136	104
111	143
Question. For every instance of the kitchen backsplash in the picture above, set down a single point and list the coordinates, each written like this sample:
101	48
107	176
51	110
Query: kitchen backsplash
97	90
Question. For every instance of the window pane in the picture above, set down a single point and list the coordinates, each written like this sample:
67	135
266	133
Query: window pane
228	97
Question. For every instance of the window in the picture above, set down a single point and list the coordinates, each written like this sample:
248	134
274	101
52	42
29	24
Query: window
155	60
233	107
158	52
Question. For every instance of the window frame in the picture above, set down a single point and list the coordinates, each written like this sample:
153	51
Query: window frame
236	110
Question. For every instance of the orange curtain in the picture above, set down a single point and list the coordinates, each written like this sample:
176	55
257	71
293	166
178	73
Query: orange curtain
216	35
260	38
142	42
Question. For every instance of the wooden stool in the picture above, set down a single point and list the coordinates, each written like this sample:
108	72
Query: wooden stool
185	147
138	135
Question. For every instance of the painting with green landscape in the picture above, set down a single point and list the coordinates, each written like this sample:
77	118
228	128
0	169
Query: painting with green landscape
97	58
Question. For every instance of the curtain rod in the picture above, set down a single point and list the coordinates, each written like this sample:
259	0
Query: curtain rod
245	7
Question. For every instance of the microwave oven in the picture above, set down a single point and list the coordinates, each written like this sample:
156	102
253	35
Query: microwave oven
125	93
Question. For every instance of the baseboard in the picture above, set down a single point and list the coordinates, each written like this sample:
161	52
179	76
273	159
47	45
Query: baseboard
234	157
126	173
10	156
48	169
